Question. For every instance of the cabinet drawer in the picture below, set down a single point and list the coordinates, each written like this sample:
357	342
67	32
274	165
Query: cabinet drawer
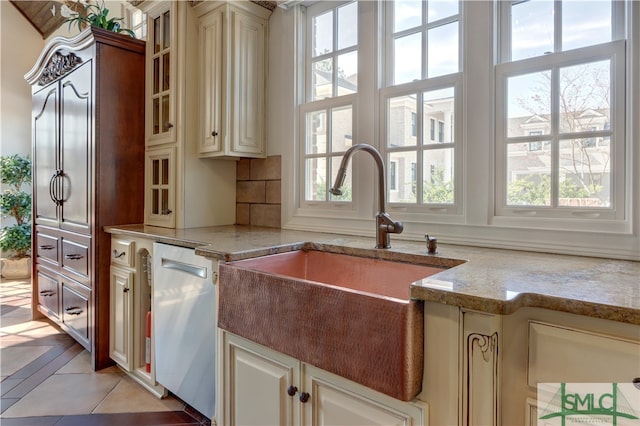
48	293
75	257
122	252
75	311
563	355
47	247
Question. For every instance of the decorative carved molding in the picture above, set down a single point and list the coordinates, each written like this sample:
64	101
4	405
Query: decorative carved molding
269	5
482	379
58	66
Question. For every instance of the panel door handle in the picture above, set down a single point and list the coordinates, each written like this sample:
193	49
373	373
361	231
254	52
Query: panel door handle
73	256
184	267
73	310
52	190
291	390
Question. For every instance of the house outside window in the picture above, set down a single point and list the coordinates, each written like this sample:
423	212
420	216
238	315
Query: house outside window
564	89
540	155
331	82
422	38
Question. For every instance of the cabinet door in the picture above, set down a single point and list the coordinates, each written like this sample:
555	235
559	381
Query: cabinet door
161	74
337	401
256	381
75	311
75	149
48	288
160	187
120	324
45	155
247	82
210	35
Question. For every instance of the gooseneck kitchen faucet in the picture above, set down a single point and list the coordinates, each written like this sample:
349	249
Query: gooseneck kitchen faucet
384	224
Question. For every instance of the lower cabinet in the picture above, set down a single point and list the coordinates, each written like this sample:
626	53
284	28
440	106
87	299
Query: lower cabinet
262	386
130	335
65	301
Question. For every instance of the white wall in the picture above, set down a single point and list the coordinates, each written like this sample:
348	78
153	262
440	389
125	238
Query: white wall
20	45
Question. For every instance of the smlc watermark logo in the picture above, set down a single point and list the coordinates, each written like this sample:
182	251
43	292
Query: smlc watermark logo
564	404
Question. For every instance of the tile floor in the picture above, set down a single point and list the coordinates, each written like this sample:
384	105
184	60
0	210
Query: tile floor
46	378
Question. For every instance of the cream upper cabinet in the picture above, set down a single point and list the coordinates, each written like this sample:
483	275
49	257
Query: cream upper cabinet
161	73
262	386
181	189
232	40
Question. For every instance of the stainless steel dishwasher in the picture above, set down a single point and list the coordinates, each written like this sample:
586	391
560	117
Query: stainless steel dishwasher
184	325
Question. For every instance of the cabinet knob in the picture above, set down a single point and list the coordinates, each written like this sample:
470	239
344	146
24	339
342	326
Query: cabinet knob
636	382
125	290
291	390
169	125
214	133
304	397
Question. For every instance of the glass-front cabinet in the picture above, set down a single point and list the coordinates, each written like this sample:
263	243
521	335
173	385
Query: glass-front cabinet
160	194
161	108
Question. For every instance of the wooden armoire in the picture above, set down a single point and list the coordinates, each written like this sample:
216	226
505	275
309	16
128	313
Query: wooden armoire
88	172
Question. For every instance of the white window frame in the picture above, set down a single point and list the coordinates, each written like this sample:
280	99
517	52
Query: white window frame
329	209
610	219
477	224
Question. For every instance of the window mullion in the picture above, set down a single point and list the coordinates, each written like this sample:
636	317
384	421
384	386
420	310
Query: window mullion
419	149
557	26
555	140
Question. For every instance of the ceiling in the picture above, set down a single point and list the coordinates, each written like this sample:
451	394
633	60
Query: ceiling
41	17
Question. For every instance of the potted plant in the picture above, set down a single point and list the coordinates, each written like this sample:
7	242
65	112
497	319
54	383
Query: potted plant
15	238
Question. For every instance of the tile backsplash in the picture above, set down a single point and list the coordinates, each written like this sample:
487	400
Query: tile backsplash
258	191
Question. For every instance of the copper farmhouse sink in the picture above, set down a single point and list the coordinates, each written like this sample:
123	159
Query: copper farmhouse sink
349	315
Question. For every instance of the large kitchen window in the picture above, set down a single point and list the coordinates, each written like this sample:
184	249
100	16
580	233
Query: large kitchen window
502	123
560	111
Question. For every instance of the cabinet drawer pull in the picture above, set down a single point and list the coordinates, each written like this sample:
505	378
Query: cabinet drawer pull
304	397
117	255
73	256
46	293
73	310
291	390
46	247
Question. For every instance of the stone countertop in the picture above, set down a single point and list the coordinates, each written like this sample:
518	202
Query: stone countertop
490	280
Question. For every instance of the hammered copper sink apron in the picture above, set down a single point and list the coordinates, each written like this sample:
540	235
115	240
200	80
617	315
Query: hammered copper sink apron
348	315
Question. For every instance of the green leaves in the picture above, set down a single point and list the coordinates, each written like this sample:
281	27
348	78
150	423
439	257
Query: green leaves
15	171
16	239
85	13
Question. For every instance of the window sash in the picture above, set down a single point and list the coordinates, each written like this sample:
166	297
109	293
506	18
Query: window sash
536	214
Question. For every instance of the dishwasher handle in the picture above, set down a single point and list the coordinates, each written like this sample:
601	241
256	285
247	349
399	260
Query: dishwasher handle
184	267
